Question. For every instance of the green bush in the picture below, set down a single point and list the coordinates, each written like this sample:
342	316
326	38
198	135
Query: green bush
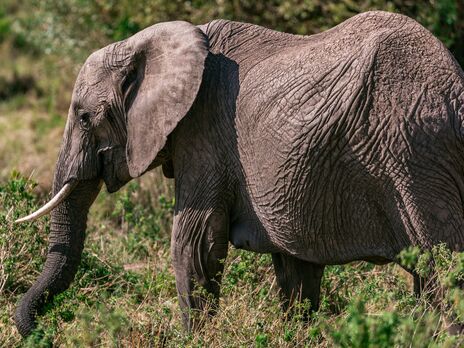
74	27
5	25
21	246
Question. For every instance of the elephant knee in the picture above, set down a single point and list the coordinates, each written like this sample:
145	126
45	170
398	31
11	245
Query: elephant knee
197	255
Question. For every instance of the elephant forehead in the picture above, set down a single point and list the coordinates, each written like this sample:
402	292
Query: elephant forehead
91	85
92	73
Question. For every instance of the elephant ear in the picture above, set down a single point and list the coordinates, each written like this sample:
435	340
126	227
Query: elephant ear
167	63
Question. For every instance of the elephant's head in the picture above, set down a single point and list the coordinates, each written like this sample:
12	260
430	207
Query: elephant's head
128	97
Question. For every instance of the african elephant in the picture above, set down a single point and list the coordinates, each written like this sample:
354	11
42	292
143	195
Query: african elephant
324	149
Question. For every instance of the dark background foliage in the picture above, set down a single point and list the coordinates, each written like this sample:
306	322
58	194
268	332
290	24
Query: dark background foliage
80	25
61	34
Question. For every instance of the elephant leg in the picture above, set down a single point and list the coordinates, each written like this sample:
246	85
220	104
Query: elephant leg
298	280
199	247
435	294
418	285
430	289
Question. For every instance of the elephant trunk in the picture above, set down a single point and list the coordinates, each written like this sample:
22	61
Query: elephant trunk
66	241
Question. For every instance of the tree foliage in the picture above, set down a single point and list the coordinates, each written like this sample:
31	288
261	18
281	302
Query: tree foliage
77	26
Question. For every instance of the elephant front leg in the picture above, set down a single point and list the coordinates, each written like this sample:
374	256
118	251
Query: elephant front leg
199	247
298	280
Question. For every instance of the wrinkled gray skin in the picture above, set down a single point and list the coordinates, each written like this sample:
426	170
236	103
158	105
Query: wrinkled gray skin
323	149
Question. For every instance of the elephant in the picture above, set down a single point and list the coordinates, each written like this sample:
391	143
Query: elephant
320	150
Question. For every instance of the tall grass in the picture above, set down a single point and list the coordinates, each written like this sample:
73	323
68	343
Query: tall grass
124	293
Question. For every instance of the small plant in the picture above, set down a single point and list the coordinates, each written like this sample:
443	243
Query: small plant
261	340
21	246
5	25
244	268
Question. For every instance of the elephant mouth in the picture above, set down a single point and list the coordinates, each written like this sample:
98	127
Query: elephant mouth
115	172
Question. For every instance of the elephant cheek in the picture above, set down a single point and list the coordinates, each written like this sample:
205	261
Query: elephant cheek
115	169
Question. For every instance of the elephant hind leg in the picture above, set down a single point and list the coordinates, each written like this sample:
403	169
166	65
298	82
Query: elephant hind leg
434	293
298	281
431	210
432	214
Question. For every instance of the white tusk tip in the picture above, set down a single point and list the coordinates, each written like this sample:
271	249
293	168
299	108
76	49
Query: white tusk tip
52	204
18	221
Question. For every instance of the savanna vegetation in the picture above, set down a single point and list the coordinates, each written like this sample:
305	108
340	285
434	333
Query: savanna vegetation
124	294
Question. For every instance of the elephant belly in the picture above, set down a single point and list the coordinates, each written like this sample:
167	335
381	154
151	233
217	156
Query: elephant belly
327	214
245	235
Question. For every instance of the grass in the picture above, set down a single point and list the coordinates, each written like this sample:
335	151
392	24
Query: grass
124	294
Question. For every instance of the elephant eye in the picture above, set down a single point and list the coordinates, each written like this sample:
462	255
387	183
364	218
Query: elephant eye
85	121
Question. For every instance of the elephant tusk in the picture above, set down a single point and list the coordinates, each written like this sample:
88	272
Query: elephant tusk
52	204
